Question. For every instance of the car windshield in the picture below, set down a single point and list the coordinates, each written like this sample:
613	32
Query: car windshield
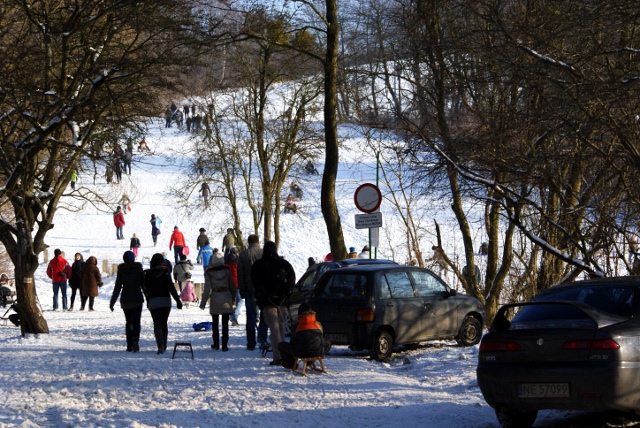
621	300
342	286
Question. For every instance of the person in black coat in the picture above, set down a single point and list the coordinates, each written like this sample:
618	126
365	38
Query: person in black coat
76	280
129	281
158	289
273	279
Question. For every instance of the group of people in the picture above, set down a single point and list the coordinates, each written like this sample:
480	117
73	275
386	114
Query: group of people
83	276
188	115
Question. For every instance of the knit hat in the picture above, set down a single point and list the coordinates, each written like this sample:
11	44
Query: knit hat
156	260
233	250
202	229
175	227
135	236
304	308
57	252
270	248
216	259
352	249
129	257
153	216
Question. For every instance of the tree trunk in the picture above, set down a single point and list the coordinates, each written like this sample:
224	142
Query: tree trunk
328	197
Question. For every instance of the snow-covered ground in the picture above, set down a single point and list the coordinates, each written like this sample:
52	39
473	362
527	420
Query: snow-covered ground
79	375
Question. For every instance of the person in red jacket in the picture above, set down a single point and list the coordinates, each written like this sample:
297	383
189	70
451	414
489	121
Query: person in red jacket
231	260
59	271
177	242
118	220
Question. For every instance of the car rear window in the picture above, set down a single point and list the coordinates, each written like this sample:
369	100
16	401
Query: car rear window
621	300
342	286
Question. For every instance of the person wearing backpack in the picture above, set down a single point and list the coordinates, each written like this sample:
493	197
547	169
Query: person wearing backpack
182	271
273	279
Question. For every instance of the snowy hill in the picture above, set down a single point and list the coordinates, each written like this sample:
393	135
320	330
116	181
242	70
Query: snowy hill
80	375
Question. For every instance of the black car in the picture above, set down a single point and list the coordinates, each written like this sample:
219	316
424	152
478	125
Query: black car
573	347
379	306
306	283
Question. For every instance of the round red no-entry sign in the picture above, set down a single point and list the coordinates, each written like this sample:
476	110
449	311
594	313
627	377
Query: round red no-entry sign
367	198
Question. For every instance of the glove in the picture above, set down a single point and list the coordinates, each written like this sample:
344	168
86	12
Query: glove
233	306
111	307
179	305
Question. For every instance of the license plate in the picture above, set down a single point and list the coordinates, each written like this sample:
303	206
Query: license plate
336	338
543	390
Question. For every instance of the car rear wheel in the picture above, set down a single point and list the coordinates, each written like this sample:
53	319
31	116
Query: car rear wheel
470	332
382	346
510	418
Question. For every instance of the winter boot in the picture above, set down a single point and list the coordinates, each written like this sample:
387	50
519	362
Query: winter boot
159	341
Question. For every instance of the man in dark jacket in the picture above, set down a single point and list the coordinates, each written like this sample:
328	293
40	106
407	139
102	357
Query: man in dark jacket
129	281
306	340
273	279
246	259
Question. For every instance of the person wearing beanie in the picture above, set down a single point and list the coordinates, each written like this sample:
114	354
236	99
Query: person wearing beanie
59	271
134	245
129	282
307	340
118	221
353	254
158	289
273	279
202	239
177	242
219	291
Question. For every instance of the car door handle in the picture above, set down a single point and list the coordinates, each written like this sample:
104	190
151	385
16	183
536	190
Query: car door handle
389	304
427	303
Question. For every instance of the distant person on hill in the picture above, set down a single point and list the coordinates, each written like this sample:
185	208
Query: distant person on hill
290	206
59	271
91	281
310	169
134	245
177	242
159	289
74	178
118	221
202	238
206	191
125	202
127	157
129	282
155	228
167	118
295	190
75	282
143	146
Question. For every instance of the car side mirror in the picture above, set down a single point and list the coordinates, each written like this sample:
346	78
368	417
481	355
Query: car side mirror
453	293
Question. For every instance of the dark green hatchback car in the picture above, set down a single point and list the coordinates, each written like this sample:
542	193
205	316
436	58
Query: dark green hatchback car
377	307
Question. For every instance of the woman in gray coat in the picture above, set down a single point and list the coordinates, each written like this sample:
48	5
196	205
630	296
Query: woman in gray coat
220	289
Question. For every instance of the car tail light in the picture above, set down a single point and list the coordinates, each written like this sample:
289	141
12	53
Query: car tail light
498	346
591	344
364	315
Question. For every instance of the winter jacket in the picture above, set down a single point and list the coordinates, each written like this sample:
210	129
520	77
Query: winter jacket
118	218
219	287
188	293
308	340
76	271
177	238
129	281
246	259
202	240
228	241
58	269
91	278
204	255
273	279
231	260
159	288
135	243
182	270
155	229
